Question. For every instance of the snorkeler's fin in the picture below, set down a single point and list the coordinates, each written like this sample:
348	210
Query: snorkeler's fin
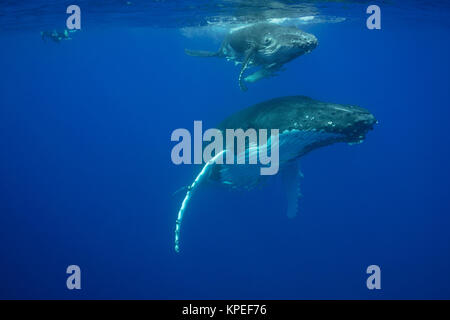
200	53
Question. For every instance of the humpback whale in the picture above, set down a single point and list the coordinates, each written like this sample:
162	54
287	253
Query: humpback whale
304	124
267	45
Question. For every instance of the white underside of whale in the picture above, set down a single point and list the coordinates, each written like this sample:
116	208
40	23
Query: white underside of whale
292	144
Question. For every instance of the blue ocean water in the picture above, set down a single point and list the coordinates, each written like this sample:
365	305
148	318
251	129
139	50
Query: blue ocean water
86	176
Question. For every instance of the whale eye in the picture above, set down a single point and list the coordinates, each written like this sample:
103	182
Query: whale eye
267	40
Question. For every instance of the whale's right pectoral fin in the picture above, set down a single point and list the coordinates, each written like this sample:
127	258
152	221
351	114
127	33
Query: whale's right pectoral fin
291	176
200	53
245	64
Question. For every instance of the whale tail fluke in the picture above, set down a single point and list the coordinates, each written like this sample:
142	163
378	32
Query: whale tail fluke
201	53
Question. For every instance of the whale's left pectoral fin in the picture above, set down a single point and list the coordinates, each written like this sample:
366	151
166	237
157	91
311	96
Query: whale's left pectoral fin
190	190
263	73
291	176
258	75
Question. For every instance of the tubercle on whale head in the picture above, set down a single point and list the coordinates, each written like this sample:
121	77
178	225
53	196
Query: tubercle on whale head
353	121
285	42
300	41
306	41
359	126
350	122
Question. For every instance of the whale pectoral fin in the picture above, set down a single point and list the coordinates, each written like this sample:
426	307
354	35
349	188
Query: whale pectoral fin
291	176
201	177
200	53
258	75
244	175
262	73
245	64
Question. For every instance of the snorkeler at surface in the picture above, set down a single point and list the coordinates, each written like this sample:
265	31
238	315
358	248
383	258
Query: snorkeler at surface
56	36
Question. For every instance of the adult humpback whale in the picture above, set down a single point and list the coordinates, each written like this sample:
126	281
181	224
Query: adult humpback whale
267	45
304	124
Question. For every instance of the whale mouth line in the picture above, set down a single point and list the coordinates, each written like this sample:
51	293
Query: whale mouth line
360	129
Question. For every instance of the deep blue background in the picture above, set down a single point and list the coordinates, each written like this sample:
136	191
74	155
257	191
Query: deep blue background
86	176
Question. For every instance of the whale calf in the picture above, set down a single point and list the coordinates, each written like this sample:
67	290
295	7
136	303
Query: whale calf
304	124
264	45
